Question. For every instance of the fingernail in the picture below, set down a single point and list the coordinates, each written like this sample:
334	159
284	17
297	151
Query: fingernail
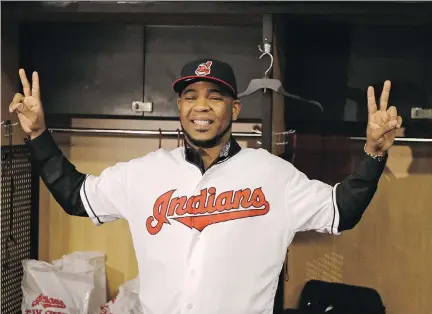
392	123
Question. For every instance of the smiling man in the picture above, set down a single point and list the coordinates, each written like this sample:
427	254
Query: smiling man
207	105
210	222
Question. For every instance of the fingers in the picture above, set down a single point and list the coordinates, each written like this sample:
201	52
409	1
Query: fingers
17	107
19	104
399	122
382	118
388	127
18	98
25	83
392	113
385	95
372	106
35	85
385	129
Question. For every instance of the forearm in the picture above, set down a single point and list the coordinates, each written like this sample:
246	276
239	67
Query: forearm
355	193
59	175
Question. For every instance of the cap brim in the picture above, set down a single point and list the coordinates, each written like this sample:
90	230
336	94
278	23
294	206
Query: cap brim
182	82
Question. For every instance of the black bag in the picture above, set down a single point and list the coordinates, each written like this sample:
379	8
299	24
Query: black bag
320	297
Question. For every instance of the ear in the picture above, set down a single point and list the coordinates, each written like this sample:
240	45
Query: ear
236	107
178	102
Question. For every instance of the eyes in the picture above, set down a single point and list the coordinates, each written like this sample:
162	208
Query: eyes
211	98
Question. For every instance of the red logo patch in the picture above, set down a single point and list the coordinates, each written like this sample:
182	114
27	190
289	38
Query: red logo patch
204	69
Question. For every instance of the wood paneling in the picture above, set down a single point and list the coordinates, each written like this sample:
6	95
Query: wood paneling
390	249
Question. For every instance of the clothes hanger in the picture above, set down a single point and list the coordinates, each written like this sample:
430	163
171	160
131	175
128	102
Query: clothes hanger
273	84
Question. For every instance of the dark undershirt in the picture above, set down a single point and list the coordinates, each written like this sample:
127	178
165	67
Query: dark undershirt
353	194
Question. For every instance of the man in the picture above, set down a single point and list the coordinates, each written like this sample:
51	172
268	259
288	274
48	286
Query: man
210	222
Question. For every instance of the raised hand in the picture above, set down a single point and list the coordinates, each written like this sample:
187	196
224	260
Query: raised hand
29	106
382	123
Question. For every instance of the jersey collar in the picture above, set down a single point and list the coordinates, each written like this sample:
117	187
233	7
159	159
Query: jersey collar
229	150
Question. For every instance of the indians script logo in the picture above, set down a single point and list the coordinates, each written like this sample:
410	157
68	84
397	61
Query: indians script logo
46	301
207	208
203	69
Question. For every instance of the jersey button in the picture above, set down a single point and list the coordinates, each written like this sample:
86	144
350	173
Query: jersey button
189	306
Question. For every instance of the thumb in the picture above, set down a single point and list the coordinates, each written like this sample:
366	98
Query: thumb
20	107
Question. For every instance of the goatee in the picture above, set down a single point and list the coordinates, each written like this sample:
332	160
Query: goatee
207	143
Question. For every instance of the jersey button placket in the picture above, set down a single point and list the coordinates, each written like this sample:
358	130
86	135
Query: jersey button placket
192	276
192	273
204	178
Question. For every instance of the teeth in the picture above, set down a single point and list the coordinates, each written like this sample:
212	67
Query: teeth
202	122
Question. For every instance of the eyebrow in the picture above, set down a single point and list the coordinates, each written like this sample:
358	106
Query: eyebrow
213	90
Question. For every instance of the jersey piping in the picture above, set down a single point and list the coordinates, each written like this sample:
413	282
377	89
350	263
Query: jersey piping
88	203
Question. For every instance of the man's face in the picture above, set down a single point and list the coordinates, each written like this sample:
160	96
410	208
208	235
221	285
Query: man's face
206	112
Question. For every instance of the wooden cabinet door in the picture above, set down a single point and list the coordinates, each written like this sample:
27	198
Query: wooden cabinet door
86	68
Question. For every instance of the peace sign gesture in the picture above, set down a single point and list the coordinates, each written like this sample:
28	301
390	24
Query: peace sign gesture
29	106
382	122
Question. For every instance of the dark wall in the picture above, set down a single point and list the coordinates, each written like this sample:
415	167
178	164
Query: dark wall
334	63
316	59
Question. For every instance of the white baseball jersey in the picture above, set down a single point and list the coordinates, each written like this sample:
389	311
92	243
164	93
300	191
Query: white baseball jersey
215	242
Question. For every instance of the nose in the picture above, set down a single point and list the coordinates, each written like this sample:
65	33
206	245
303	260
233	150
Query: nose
201	105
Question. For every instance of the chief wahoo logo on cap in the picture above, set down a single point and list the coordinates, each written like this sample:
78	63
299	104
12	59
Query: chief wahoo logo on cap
204	68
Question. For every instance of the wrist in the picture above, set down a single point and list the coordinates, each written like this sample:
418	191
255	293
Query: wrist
375	154
36	134
371	150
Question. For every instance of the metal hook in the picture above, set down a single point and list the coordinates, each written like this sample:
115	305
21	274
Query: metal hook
8	127
280	136
266	51
178	138
160	138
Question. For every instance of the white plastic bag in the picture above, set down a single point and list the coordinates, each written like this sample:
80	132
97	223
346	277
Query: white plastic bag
47	288
73	262
70	285
126	302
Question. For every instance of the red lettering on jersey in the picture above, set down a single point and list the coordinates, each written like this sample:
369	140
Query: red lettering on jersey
206	208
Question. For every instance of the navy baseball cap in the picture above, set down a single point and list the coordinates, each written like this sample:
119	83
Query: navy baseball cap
210	70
